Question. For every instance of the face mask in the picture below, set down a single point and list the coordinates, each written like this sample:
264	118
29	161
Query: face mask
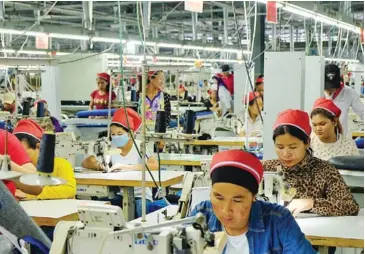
120	140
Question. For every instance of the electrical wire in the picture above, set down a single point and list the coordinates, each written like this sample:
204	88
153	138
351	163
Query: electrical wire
245	61
86	57
21	48
164	17
29	28
344	46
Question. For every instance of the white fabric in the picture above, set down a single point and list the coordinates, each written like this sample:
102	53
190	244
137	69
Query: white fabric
237	244
342	147
254	125
348	98
133	158
225	100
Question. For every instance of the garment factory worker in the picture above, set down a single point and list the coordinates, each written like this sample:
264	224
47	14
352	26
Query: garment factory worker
254	124
224	97
100	97
129	158
19	159
343	96
182	90
320	188
9	102
30	134
227	78
156	99
259	85
250	225
56	124
327	140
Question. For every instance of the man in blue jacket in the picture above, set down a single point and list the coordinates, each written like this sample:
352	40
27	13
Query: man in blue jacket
251	226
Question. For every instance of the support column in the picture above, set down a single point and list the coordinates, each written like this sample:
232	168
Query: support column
274	44
87	7
2	10
225	26
329	48
320	40
291	36
51	90
194	22
259	45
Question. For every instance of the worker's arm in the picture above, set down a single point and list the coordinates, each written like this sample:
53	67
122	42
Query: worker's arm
63	170
27	168
92	163
28	189
357	105
91	105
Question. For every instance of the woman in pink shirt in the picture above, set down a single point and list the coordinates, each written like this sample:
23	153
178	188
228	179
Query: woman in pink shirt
100	96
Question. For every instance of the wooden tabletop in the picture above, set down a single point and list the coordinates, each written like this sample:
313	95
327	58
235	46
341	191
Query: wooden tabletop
183	159
128	178
357	134
50	212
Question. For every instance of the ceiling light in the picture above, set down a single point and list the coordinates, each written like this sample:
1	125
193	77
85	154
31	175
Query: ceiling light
70	36
111	40
30	52
342	60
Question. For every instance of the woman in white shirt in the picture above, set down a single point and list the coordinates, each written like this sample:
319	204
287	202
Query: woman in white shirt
327	141
125	123
254	124
224	96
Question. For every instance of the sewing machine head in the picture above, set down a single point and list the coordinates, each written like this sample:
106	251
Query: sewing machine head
275	189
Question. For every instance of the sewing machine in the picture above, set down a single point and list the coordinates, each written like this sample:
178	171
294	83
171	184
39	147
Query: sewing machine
102	229
274	189
68	147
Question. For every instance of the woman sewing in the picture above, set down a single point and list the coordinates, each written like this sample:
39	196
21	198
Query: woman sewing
100	96
124	126
319	186
254	124
327	140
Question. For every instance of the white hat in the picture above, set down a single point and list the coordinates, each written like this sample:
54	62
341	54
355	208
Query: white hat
214	87
8	98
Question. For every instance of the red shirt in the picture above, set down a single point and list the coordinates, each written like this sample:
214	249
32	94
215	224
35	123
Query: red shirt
16	152
228	81
101	101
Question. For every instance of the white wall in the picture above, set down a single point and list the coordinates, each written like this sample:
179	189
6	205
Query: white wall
78	79
51	87
314	80
284	89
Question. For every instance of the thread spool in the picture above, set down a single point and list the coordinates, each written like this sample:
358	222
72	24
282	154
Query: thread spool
40	109
186	96
160	124
133	95
26	108
47	153
189	122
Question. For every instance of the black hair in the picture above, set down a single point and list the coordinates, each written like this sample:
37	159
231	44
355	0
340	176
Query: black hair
253	101
326	114
261	76
293	131
205	80
120	126
30	140
153	76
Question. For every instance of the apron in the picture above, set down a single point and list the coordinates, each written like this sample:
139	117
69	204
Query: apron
152	106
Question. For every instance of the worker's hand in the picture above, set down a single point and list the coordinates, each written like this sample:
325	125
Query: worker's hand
297	206
117	167
20	195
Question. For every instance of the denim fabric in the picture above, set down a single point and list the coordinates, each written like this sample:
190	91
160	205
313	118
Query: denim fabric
272	229
139	207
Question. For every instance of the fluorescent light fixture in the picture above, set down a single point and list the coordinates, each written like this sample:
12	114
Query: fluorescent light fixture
314	15
342	60
8	51
111	40
168	45
70	36
133	64
30	52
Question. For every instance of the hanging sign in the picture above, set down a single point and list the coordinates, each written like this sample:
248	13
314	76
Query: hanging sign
271	12
194	6
41	41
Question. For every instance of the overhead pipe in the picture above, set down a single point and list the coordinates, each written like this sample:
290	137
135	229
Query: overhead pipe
87	7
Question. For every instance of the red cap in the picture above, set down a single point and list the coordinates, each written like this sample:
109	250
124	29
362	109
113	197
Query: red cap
29	127
151	73
327	105
181	86
134	119
238	159
296	118
105	76
259	80
251	97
